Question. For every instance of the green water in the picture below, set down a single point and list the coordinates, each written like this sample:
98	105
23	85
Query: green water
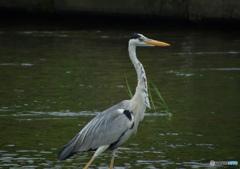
53	82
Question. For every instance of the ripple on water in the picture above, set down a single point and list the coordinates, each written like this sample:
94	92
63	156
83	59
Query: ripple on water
223	69
57	115
15	64
22	158
180	73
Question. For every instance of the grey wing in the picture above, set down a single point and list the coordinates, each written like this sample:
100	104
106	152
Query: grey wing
105	129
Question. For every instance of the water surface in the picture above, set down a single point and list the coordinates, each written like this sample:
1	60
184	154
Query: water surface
54	82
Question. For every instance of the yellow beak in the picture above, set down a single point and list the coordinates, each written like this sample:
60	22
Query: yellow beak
156	43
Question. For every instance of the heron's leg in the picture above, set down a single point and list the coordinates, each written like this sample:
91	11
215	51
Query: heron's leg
89	163
97	153
112	159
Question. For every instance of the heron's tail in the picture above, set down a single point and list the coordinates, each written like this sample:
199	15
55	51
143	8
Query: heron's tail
68	150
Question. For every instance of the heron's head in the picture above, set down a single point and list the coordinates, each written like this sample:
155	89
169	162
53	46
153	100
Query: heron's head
140	40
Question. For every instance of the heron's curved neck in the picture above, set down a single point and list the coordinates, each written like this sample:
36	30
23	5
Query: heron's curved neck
140	99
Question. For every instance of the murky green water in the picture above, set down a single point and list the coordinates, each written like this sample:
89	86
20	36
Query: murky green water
53	82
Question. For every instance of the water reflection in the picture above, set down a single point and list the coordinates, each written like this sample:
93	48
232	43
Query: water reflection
54	82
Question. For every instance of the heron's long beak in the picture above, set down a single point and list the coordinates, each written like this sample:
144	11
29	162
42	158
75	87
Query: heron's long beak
156	43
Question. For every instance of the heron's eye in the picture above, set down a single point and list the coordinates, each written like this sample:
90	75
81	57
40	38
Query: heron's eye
140	39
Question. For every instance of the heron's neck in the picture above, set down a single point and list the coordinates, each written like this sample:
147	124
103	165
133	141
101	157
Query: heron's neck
140	100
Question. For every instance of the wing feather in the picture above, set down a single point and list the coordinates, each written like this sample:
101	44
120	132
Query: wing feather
104	129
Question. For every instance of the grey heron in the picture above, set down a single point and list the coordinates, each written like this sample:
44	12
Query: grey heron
111	128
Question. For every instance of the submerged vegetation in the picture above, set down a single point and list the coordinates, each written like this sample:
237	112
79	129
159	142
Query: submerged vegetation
158	104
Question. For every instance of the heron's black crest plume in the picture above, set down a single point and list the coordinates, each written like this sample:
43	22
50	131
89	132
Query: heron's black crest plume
136	36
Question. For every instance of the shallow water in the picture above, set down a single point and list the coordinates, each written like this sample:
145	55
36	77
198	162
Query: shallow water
54	82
